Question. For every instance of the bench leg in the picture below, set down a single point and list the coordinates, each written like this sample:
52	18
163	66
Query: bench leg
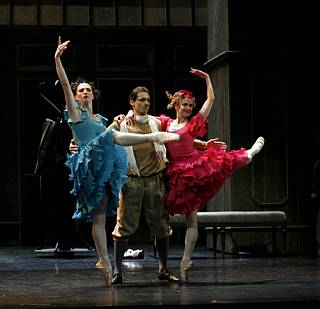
274	241
214	241
284	234
223	240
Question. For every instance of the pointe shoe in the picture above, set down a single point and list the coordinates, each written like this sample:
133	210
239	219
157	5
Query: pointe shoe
99	264
107	271
259	143
164	137
256	147
185	266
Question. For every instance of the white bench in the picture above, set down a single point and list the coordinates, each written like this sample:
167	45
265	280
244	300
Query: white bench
229	221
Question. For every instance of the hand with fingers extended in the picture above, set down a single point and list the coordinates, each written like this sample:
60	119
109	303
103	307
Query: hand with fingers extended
199	73
216	143
61	47
211	143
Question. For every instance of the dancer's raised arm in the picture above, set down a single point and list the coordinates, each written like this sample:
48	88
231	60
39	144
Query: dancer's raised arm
208	104
73	111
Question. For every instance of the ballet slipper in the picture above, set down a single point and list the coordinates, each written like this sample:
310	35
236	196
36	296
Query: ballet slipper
185	266
256	147
259	143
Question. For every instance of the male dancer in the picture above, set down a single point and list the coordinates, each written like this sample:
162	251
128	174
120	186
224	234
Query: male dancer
144	190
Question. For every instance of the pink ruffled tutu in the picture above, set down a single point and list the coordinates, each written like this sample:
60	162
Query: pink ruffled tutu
195	176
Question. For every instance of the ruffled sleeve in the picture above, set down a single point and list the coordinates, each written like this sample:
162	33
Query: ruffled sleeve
197	126
164	121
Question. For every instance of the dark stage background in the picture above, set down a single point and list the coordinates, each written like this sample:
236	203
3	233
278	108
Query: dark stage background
254	52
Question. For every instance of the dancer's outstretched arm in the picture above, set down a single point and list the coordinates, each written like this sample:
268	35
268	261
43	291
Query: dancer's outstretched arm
128	139
198	144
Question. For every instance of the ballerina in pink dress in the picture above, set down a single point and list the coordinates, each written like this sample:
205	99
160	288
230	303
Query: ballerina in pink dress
195	176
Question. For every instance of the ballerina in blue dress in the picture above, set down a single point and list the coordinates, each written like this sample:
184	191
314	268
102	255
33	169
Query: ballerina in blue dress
99	168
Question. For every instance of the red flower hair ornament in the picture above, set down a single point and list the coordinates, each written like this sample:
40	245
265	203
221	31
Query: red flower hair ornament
185	93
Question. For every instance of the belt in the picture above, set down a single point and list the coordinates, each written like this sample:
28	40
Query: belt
152	175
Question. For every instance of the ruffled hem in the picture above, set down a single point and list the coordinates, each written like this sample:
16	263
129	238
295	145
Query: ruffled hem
191	185
96	164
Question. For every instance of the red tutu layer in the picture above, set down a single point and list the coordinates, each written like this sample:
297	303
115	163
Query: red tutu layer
196	176
192	184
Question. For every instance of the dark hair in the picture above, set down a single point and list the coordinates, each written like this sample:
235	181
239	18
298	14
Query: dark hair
74	85
134	92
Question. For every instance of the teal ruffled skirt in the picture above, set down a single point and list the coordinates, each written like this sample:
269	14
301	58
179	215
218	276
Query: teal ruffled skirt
96	165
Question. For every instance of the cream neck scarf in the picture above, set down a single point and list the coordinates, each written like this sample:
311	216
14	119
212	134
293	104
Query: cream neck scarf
160	149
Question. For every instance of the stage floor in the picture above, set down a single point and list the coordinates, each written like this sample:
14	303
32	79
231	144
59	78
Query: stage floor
32	279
